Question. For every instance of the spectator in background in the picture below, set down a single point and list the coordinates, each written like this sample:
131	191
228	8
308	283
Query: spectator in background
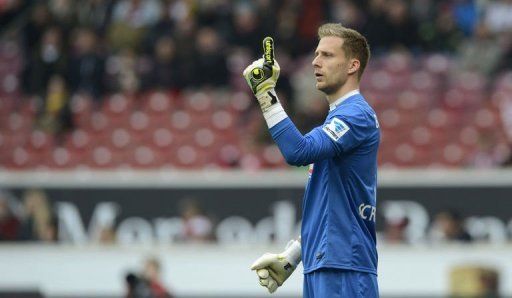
164	69
375	27
63	12
149	283
498	16
36	216
402	27
448	226
9	10
163	27
56	115
9	223
444	36
86	67
34	28
152	273
246	29
347	13
50	59
480	54
210	60
197	227
123	72
130	20
95	14
466	15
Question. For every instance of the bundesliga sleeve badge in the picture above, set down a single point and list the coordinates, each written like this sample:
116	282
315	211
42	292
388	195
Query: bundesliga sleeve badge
336	129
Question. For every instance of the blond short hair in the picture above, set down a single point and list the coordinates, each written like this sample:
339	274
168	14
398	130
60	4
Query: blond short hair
355	45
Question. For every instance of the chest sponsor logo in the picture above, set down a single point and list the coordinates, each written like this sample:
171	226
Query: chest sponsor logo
336	129
367	212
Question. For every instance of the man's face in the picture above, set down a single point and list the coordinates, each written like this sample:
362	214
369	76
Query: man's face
330	65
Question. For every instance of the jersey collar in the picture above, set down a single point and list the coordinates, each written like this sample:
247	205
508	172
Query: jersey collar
333	105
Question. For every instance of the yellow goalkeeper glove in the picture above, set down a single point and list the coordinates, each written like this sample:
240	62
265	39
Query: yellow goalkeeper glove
274	269
262	76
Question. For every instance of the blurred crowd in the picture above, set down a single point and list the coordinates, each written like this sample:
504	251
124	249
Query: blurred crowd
97	47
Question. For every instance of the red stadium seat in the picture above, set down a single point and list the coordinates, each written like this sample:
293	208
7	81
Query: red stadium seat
139	123
187	156
199	105
21	159
40	142
63	158
181	120
437	64
143	157
228	155
17	124
240	102
222	120
158	104
504	82
454	155
486	119
272	157
118	109
101	157
162	139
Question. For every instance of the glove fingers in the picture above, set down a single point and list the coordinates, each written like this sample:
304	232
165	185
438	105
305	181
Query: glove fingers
272	285
263	261
268	50
262	273
264	282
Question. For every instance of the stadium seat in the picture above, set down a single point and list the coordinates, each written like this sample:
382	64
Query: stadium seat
139	123
144	157
21	158
101	157
272	157
62	158
157	102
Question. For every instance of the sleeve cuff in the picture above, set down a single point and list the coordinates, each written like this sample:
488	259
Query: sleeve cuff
274	115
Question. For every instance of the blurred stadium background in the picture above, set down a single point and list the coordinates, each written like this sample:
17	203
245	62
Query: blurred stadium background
134	161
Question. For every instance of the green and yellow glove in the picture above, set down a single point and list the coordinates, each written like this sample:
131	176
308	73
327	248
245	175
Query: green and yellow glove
274	269
262	76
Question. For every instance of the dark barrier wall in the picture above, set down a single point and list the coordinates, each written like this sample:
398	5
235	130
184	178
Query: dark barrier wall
243	214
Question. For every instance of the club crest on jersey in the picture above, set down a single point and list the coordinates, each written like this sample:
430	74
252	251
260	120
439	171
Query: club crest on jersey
336	129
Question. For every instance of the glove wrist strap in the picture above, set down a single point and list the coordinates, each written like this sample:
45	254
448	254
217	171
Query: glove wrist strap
293	252
267	99
275	112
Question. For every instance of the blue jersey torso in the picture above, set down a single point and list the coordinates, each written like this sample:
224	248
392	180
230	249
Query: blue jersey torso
339	205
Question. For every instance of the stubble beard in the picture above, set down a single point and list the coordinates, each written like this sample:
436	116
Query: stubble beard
330	89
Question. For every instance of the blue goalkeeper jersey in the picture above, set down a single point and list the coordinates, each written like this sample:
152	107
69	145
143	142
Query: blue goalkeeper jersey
338	215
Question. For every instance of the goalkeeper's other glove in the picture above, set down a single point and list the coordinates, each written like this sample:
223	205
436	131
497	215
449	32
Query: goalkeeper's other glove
274	269
262	76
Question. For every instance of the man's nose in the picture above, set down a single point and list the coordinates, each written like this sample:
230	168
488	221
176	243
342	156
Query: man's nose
315	62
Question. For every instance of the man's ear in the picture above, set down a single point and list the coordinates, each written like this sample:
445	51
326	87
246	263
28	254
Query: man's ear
354	66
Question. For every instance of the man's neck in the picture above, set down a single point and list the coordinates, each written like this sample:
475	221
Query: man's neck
348	87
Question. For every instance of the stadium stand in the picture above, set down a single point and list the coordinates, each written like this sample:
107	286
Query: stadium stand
435	111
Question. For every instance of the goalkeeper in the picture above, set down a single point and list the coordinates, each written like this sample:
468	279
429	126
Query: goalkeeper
338	243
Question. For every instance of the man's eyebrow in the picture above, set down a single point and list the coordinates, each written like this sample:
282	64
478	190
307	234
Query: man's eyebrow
322	52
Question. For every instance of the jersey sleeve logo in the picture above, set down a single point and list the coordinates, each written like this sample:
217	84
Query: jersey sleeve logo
336	129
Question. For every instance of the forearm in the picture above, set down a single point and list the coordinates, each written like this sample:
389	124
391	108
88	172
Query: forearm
297	149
